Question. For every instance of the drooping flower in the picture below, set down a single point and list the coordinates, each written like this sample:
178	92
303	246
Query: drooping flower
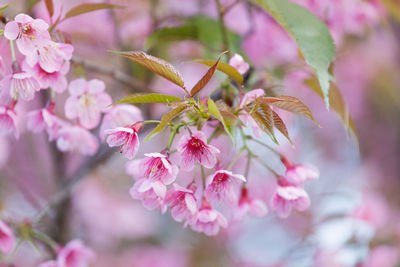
86	102
126	137
20	85
208	220
29	33
298	174
119	116
287	197
157	167
75	254
250	205
76	138
51	56
182	202
55	80
221	185
8	121
238	63
45	119
194	149
153	197
7	238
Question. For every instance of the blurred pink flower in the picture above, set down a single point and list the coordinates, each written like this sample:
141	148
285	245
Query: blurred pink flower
87	101
221	186
182	202
21	85
29	33
7	238
50	263
239	64
194	149
127	137
76	138
8	121
75	254
298	174
208	220
45	119
119	116
50	57
152	197
383	256
250	205
55	80
287	197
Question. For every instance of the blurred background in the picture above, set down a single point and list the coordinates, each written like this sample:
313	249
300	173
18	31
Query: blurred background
354	219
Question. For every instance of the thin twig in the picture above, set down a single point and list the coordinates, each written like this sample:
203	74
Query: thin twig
221	13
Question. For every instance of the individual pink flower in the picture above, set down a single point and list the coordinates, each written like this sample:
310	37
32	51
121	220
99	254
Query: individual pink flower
8	121
221	185
238	63
287	197
7	238
208	220
45	119
119	116
152	198
87	101
20	85
182	202
75	254
126	137
250	205
50	57
55	80
78	139
298	174
29	33
246	99
194	149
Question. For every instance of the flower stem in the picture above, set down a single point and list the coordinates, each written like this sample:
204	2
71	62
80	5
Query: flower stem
221	13
264	145
13	57
151	121
267	167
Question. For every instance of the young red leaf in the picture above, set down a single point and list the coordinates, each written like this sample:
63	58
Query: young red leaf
225	68
280	125
262	114
50	7
206	78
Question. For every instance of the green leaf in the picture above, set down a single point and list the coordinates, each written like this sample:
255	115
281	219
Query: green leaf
205	79
50	7
147	98
310	33
291	104
86	8
227	123
166	119
156	65
262	114
337	103
225	68
198	28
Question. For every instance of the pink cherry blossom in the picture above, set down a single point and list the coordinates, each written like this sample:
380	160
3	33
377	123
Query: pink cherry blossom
238	63
75	254
55	80
182	202
152	197
209	221
45	119
298	174
50	57
250	205
7	238
8	121
119	116
287	197
126	137
87	101
29	33
221	185
77	139
21	85
194	149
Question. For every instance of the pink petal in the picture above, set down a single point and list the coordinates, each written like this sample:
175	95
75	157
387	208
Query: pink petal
11	30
